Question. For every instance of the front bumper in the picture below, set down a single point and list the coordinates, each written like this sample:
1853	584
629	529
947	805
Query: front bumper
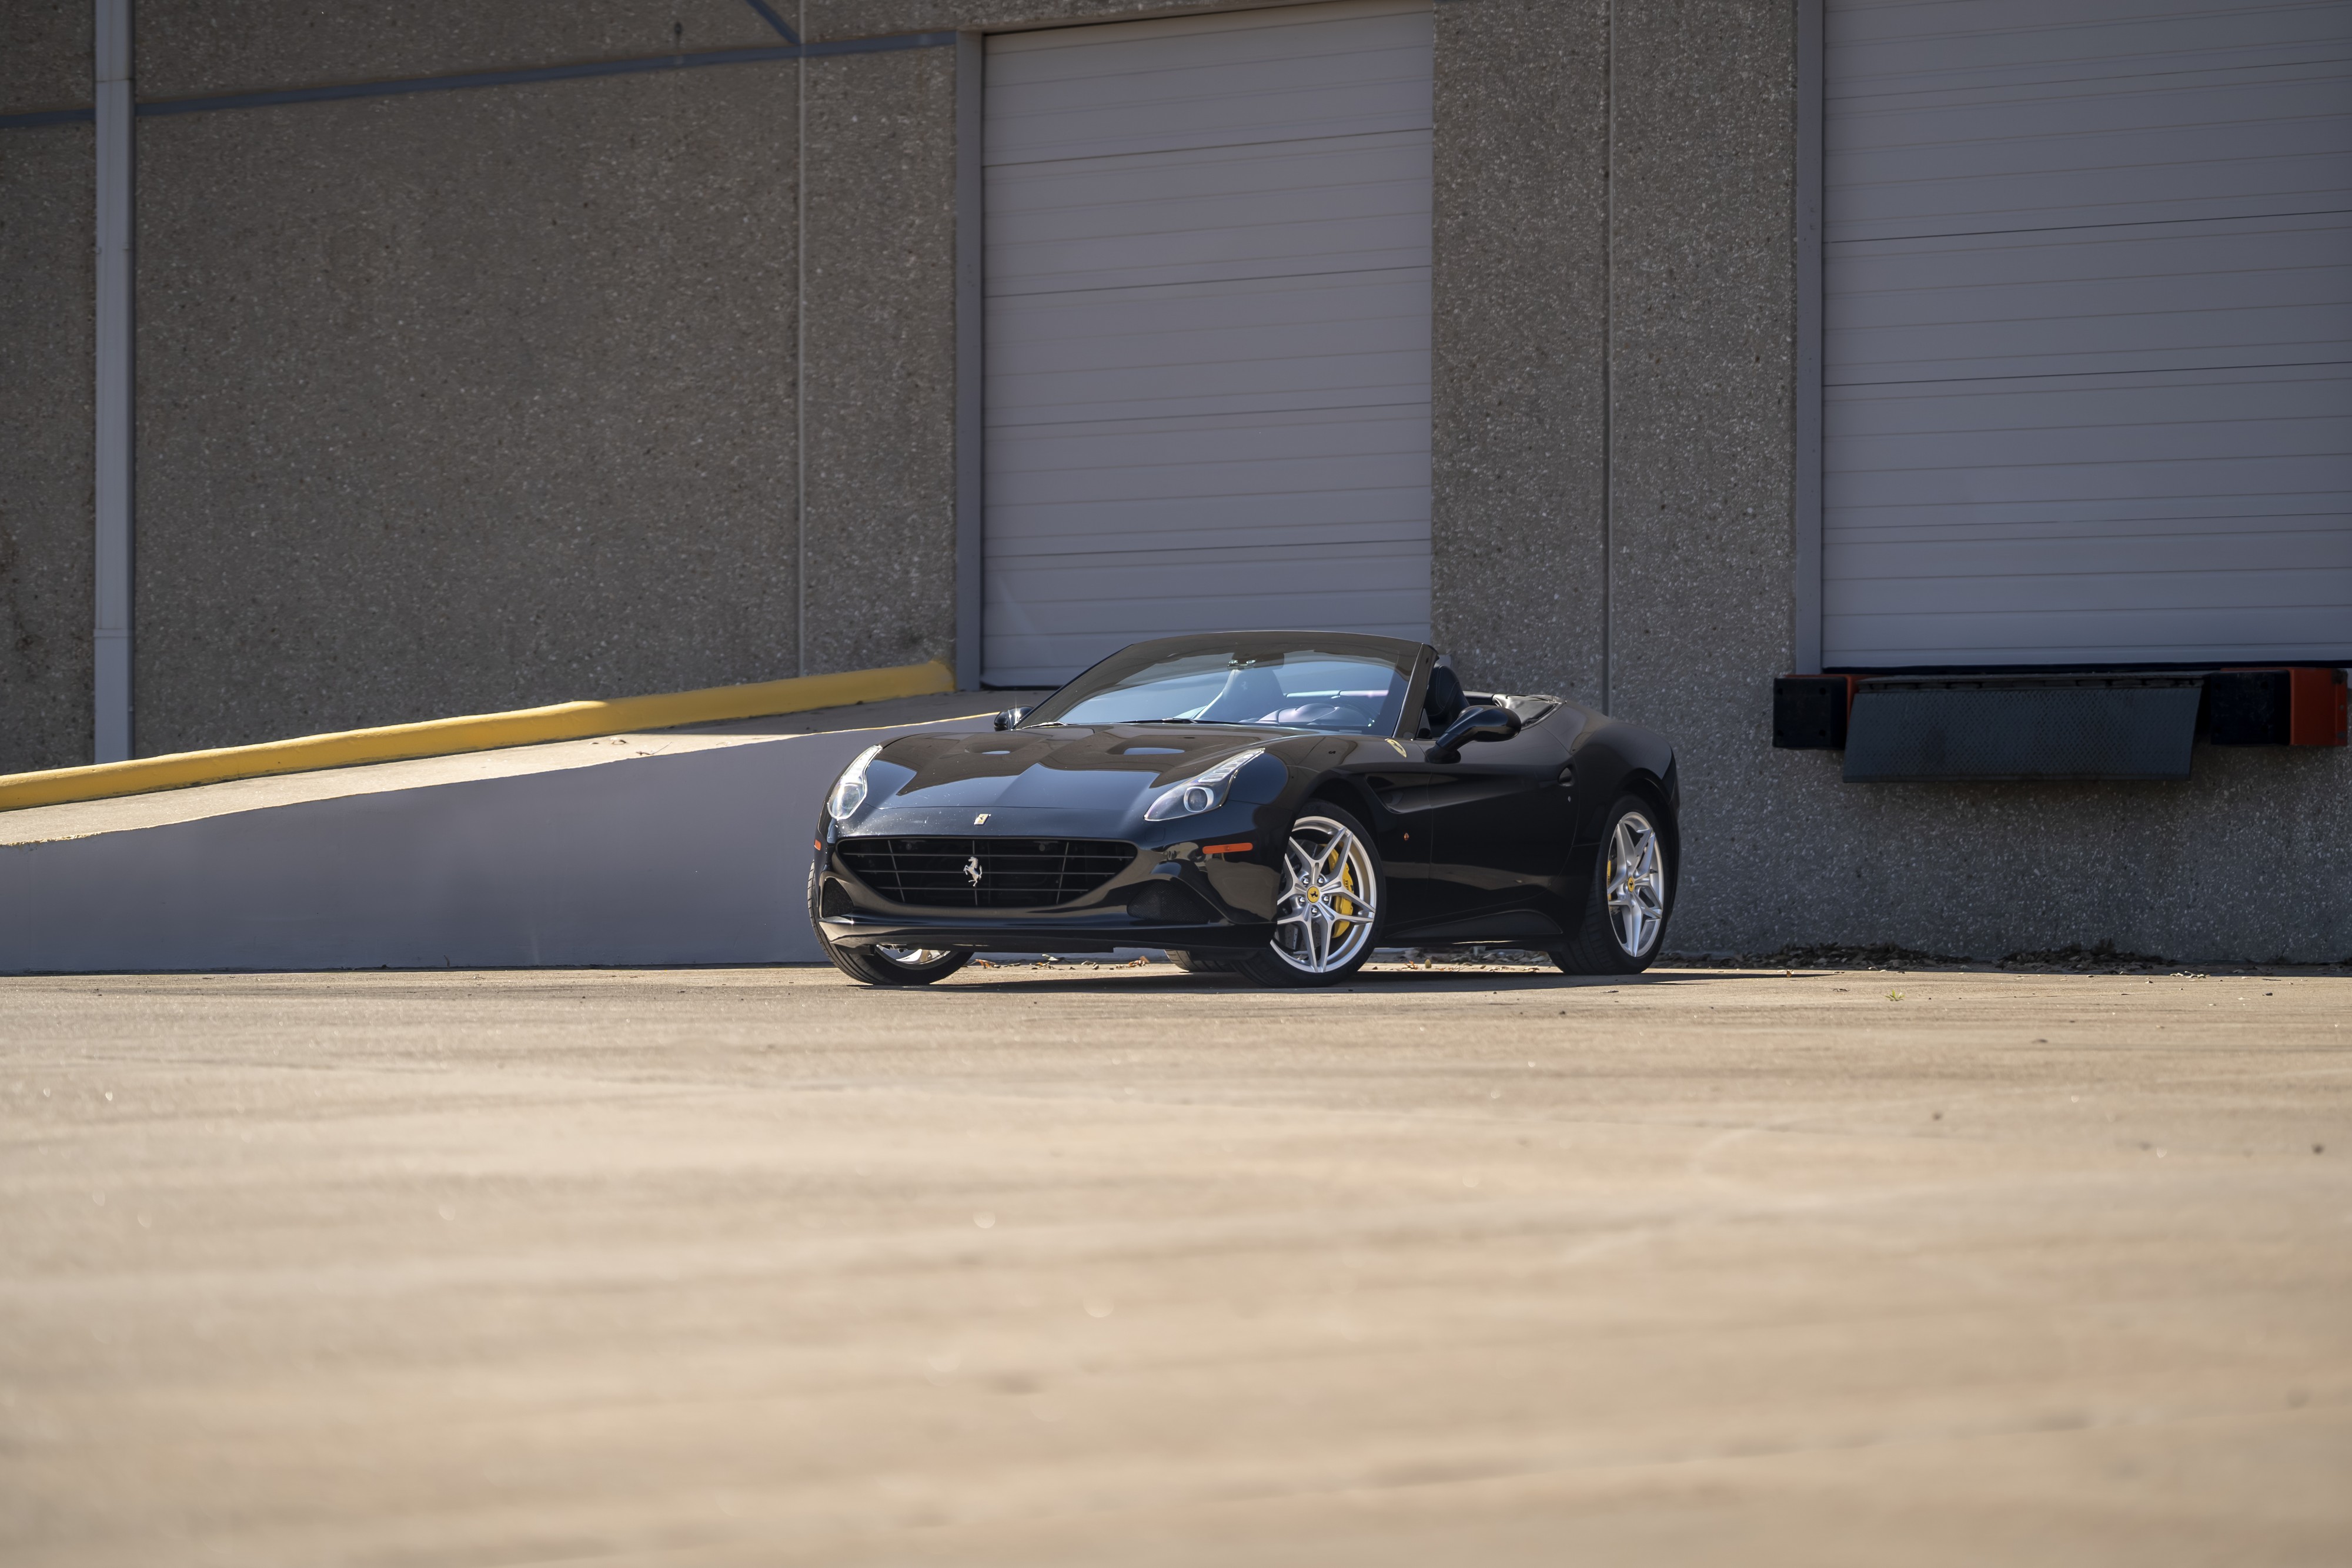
1012	935
1230	898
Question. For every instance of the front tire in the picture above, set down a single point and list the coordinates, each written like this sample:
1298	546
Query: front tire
1328	914
885	966
897	965
1631	894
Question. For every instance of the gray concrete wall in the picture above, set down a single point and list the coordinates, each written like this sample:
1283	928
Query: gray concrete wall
45	54
1519	313
48	274
1703	502
191	47
880	369
2250	859
461	401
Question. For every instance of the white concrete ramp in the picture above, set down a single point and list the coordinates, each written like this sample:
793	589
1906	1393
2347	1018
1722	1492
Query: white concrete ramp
676	847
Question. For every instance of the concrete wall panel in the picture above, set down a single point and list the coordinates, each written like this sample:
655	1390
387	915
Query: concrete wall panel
187	48
47	275
1521	302
879	377
464	402
45	61
2252	858
1703	375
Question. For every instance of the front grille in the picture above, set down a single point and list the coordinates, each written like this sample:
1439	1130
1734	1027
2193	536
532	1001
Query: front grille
1014	874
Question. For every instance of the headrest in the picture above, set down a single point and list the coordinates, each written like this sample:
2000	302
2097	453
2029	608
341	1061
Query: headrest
1446	701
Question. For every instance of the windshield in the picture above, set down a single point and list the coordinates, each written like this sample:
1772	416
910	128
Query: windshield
1352	686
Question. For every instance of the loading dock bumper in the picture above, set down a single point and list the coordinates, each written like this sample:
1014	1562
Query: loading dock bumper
2022	725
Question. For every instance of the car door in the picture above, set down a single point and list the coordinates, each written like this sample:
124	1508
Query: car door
1500	828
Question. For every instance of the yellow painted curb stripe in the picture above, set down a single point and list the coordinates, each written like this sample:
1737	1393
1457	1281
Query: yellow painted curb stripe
474	732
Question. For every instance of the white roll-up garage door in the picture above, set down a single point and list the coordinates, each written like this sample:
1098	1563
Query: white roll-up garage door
1207	284
2087	351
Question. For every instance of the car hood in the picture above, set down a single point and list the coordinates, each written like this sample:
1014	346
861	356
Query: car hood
1104	768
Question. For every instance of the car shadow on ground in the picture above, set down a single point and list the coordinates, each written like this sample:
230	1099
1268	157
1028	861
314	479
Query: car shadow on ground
1023	978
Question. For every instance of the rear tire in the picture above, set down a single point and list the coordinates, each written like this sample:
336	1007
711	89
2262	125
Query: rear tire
884	966
1199	962
1632	895
1328	914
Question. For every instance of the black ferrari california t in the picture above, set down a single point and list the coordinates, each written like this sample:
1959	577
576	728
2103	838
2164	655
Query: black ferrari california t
1272	803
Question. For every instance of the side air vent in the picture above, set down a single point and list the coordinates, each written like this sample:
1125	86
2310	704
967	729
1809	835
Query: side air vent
1168	903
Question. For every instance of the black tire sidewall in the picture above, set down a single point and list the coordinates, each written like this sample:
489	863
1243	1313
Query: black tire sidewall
876	967
1594	949
872	965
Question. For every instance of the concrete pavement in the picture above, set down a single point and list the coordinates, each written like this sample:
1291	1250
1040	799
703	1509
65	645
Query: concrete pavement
1125	1266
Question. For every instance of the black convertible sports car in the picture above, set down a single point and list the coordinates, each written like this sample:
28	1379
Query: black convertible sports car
1275	803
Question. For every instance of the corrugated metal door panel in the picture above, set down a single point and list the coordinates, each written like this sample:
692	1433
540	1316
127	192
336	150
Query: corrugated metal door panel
2086	636
1305	209
2145	300
1236	78
1208	330
2089	305
2200	148
2108	430
1227	351
2051	560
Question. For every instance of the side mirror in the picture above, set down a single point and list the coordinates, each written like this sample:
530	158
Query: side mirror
1478	724
1011	717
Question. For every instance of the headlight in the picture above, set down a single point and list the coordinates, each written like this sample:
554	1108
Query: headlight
849	790
1205	792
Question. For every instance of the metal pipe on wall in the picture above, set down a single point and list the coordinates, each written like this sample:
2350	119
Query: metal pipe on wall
111	727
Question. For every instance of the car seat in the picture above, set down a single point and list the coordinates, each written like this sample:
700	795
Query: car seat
1446	700
1251	693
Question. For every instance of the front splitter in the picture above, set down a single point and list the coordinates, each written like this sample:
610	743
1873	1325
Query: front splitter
1015	937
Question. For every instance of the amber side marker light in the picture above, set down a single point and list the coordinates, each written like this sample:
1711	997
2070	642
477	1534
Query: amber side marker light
1241	849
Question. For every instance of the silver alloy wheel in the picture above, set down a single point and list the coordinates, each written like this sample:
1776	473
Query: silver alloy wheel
914	956
1637	884
1325	912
